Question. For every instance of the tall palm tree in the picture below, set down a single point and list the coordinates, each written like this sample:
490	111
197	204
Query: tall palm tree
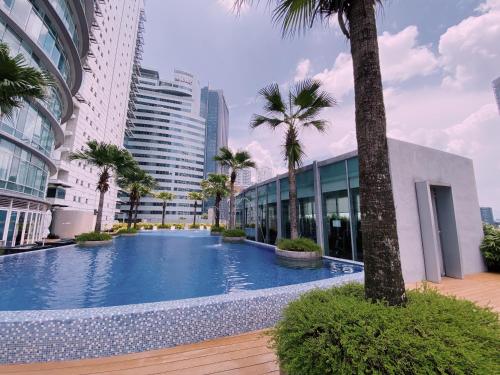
19	81
110	160
299	110
235	162
215	186
195	196
383	275
164	196
136	183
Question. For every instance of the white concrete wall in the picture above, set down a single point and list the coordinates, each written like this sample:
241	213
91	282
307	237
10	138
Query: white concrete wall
68	223
411	163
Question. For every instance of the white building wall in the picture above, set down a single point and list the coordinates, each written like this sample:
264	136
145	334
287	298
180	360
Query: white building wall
101	111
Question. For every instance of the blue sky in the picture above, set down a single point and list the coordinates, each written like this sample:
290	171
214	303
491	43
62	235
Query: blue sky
438	60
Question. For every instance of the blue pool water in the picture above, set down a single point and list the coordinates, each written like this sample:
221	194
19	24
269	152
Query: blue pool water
150	267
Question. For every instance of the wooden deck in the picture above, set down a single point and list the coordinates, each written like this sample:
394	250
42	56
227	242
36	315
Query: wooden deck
237	355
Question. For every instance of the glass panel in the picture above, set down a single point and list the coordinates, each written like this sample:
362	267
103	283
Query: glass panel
285	217
262	213
336	214
3	220
272	213
19	229
250	214
353	171
12	227
305	195
28	228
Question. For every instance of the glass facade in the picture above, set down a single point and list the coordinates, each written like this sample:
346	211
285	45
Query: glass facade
21	222
338	219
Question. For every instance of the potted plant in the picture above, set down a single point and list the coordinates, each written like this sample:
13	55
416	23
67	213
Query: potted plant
93	239
299	248
233	235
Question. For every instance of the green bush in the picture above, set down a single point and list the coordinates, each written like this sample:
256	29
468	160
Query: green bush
215	229
233	233
299	244
194	226
490	247
93	236
145	226
337	331
126	231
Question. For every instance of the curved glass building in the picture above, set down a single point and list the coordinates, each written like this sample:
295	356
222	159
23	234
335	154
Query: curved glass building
53	35
168	141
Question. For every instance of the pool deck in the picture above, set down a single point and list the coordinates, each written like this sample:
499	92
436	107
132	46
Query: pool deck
243	354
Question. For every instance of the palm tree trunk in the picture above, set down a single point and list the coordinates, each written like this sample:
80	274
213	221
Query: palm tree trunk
217	209
130	213
135	211
292	201
194	216
383	275
98	220
163	213
232	213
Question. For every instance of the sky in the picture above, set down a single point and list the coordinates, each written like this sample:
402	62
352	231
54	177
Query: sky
438	59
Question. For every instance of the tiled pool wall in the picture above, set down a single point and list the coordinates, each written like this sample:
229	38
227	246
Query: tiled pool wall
51	335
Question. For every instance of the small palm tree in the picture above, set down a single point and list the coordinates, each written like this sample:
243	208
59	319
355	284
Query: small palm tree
164	196
18	81
137	183
299	110
235	162
110	159
195	196
215	186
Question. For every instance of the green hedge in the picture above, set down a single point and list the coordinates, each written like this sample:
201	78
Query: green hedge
145	226
337	331
126	231
194	226
490	247
215	229
233	233
299	244
93	236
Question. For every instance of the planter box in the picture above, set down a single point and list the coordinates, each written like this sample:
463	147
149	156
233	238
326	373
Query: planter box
305	255
233	239
95	243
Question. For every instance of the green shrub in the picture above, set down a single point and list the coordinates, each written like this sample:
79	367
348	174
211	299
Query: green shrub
215	229
299	244
145	226
194	226
93	236
233	233
126	231
490	247
337	331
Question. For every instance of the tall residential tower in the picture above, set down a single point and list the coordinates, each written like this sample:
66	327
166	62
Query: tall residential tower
53	35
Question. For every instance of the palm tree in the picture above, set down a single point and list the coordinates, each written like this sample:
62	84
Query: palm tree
383	275
235	162
195	196
215	186
110	159
19	82
164	196
136	183
299	110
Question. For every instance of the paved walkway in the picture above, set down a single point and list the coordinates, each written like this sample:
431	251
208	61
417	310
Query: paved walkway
244	354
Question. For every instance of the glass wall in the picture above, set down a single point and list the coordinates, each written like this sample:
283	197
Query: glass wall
305	202
272	214
250	214
20	226
285	214
353	173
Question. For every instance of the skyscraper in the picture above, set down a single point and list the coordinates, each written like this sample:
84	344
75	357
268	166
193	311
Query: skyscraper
487	215
496	90
168	141
100	114
52	36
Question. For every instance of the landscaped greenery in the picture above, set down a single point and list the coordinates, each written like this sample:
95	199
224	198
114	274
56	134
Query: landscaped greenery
233	233
215	186
298	244
216	229
145	226
491	247
338	331
164	196
194	226
126	231
93	236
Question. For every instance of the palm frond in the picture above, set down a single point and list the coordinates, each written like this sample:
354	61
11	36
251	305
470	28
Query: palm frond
273	100
295	16
292	149
320	125
258	120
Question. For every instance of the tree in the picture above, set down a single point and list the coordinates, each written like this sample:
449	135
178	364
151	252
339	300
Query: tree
299	110
216	186
235	162
109	159
137	183
19	82
164	196
195	196
383	275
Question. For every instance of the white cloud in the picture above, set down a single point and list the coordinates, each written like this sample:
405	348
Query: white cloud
400	58
470	50
303	69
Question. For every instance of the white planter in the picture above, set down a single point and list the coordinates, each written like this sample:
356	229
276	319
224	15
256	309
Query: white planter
304	255
95	243
233	239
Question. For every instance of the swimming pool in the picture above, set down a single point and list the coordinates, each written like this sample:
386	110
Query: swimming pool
149	267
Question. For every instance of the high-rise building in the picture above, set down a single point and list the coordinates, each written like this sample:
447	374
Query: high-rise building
214	110
244	178
168	141
53	35
487	215
100	113
496	90
264	173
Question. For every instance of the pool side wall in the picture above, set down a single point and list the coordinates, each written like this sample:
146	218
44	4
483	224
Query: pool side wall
55	335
